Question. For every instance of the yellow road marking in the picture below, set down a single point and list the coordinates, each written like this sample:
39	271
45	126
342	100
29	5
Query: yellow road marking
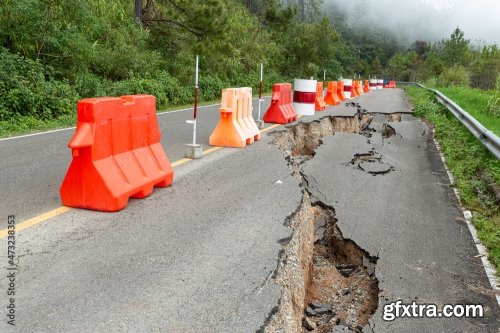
180	162
63	209
270	127
36	220
211	150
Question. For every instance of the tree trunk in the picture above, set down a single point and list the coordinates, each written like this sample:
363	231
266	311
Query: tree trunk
302	6
138	11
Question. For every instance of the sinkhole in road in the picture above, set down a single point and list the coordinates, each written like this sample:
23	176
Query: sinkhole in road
327	281
301	140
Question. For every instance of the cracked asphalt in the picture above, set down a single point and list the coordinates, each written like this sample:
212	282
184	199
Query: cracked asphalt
199	256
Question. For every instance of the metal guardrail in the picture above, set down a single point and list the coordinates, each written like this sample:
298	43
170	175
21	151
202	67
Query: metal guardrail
487	137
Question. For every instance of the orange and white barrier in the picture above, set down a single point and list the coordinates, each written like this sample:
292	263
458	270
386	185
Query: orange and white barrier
304	96
347	88
236	127
360	87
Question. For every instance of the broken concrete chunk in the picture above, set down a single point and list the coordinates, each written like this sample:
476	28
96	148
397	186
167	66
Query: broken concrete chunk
375	168
309	324
323	309
319	234
340	329
346	270
388	131
316	305
310	312
320	221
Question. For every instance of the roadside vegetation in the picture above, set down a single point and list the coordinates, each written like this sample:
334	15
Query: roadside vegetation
467	73
475	169
53	53
478	103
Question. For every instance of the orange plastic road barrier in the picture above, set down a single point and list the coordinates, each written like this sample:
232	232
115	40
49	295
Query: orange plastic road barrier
392	84
245	117
319	102
236	127
331	97
359	88
117	153
366	86
354	91
340	90
281	110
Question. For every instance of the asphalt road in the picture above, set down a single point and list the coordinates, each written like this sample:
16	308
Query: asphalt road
33	167
410	220
199	256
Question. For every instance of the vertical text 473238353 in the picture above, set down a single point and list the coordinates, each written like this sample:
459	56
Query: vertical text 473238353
11	270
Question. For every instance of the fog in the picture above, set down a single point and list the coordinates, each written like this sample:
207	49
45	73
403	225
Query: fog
425	19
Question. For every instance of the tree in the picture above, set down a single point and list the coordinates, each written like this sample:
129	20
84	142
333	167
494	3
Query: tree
308	48
309	10
456	49
377	66
421	47
485	67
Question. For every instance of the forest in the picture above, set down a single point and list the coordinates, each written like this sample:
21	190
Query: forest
54	52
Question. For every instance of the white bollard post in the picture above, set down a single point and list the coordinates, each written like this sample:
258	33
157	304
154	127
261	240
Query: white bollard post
260	122
194	150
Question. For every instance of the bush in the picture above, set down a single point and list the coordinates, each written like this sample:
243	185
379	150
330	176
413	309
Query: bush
90	85
454	76
493	107
486	68
211	87
164	87
26	89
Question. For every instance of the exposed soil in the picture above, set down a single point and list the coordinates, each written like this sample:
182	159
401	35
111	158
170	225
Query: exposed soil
303	139
326	279
393	117
343	278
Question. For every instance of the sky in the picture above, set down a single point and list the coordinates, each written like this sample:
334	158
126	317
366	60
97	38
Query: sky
428	19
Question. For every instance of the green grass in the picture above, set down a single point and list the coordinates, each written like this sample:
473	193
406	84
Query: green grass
473	166
27	125
475	102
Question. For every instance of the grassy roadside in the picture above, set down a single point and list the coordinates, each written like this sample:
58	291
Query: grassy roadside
475	169
28	125
476	103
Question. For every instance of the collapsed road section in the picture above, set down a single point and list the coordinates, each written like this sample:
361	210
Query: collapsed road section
328	282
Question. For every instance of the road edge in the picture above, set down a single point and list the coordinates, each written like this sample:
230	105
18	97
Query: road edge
489	269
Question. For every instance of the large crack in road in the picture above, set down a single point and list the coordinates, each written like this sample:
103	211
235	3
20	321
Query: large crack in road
328	282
